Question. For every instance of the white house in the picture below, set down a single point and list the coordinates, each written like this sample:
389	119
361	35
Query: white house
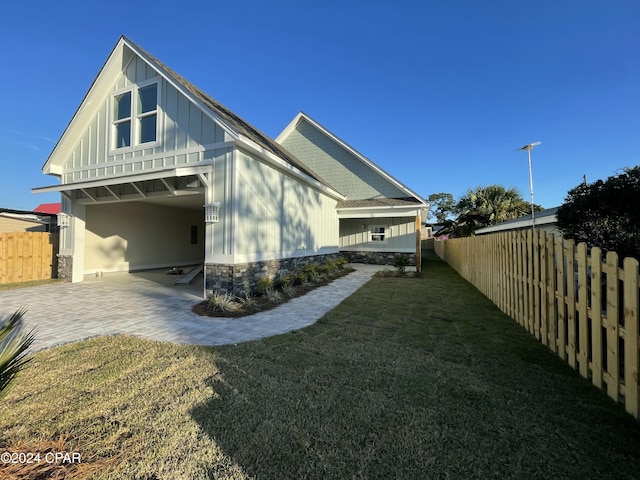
154	173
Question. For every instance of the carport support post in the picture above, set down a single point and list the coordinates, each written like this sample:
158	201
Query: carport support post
78	217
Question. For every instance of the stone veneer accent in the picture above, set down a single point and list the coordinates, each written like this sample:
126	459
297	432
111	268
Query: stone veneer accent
377	258
65	267
242	279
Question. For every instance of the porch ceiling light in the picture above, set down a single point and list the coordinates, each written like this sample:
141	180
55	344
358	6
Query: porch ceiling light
212	212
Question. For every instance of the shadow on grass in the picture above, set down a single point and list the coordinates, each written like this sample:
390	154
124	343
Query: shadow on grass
413	378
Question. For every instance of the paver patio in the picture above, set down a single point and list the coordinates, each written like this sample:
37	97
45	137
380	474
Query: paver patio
149	305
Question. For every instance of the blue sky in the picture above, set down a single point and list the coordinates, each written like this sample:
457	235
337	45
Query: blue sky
439	94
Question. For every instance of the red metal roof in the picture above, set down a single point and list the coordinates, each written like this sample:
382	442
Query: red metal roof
53	208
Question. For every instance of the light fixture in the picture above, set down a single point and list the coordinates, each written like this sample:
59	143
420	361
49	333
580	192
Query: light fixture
63	219
212	212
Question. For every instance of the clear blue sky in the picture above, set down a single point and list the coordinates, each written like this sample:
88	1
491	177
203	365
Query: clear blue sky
438	93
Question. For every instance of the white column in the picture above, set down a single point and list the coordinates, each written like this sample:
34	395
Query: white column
77	225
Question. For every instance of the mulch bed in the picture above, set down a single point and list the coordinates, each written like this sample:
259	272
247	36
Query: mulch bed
262	303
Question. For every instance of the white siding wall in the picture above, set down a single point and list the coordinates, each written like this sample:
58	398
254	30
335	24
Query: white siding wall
135	235
279	217
186	136
400	234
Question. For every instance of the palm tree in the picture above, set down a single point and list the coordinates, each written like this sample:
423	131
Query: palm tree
13	347
483	206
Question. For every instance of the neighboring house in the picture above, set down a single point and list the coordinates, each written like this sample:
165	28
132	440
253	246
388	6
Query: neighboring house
49	208
154	173
25	221
545	220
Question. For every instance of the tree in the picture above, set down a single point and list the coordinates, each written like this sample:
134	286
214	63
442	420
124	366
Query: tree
605	214
442	206
484	206
13	347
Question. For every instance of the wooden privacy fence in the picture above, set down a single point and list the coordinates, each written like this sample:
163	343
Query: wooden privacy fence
582	306
26	256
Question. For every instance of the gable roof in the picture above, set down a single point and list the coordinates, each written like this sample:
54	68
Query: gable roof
241	131
341	180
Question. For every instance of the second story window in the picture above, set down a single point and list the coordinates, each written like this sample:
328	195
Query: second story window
135	116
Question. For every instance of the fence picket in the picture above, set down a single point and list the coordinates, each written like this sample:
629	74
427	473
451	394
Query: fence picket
571	304
630	278
561	300
596	317
613	366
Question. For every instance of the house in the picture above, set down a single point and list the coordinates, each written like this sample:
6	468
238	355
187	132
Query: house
154	173
545	220
25	221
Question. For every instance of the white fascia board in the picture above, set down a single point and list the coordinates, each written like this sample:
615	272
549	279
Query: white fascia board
249	145
114	180
178	86
303	116
378	212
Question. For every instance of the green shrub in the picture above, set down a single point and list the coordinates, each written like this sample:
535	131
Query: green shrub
264	284
400	262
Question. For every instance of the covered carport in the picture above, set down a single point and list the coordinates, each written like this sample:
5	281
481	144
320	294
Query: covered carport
132	222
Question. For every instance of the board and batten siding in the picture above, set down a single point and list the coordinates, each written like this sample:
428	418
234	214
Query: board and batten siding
186	136
278	216
338	166
400	234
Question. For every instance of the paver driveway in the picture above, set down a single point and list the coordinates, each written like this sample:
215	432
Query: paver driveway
150	306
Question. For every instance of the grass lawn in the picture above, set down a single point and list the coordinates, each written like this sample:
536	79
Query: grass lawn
30	283
408	378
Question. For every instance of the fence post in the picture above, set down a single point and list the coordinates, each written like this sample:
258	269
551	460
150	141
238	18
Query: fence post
552	311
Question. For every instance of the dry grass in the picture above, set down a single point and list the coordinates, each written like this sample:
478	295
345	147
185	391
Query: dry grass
407	378
31	283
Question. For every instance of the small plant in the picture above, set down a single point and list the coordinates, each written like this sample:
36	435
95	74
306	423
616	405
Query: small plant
386	273
401	262
222	303
289	290
317	278
274	296
312	269
341	262
13	347
300	276
249	303
287	280
264	284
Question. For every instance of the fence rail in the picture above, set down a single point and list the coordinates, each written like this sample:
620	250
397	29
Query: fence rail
26	256
581	305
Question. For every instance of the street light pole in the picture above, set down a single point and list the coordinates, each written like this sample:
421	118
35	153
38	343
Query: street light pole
528	148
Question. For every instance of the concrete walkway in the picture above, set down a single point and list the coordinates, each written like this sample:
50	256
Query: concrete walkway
150	306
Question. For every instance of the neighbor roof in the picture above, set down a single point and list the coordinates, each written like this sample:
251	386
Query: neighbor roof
544	217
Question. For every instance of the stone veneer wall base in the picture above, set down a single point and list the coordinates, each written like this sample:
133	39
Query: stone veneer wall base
242	279
65	267
377	258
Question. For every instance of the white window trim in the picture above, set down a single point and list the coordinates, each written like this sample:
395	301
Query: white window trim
385	234
135	117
